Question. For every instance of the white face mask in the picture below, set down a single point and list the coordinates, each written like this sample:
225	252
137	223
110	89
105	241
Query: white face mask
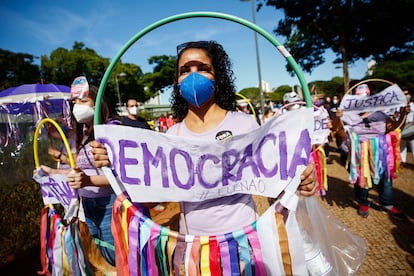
133	110
83	113
293	107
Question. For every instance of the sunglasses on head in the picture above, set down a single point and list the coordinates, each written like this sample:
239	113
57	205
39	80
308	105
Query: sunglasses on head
202	43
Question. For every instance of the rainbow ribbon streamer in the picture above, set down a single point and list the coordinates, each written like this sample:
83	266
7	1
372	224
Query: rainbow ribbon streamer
375	158
146	248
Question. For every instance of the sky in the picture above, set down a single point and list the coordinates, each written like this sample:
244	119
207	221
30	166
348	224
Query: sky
39	27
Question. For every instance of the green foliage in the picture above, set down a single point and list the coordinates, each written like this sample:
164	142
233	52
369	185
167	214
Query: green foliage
252	93
329	88
17	69
163	74
400	72
20	198
63	65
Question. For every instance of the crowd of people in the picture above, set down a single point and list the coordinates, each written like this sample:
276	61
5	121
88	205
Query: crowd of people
203	104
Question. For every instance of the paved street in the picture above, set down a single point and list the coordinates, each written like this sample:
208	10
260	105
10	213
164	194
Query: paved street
390	242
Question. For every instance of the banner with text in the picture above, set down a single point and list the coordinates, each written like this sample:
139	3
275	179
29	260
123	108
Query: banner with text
154	167
55	189
321	130
391	97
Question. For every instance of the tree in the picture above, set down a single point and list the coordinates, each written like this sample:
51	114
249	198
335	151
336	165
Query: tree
64	65
129	84
163	73
352	29
397	71
329	88
17	69
251	93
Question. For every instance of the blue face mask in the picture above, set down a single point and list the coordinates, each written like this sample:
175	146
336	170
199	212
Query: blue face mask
196	89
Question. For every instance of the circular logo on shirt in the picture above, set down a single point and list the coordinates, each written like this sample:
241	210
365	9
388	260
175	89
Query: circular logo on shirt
224	135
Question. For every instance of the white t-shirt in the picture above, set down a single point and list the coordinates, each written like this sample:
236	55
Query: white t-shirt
226	214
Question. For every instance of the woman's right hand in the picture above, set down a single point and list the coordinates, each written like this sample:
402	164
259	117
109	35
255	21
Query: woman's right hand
100	155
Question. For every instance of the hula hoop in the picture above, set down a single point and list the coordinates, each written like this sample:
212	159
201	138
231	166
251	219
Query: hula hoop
198	14
64	139
248	102
400	126
365	81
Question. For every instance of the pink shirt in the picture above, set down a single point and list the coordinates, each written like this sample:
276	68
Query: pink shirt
226	214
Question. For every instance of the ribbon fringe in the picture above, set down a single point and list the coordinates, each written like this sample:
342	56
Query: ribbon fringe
151	249
376	158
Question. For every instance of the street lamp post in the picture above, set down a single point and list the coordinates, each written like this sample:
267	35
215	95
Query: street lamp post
117	87
257	58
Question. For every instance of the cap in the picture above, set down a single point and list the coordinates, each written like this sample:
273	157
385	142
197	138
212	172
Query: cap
291	97
79	88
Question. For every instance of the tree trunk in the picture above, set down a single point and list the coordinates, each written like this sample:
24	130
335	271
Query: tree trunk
345	69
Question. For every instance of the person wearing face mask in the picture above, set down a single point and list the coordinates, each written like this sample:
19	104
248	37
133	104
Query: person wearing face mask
289	100
369	127
204	103
132	119
96	194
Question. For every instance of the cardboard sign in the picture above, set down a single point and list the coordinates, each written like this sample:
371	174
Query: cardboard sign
155	167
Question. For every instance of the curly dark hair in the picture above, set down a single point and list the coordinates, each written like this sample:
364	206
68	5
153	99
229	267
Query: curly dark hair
225	95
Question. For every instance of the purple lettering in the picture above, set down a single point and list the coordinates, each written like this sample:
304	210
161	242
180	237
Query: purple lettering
114	162
247	161
228	165
303	145
123	161
149	158
349	102
190	169
203	159
283	155
271	171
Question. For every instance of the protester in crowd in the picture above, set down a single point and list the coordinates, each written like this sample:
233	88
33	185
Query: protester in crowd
327	102
336	101
132	119
204	103
96	194
169	120
268	113
338	134
290	99
367	126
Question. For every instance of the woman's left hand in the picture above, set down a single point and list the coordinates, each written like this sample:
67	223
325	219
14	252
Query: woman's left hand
307	186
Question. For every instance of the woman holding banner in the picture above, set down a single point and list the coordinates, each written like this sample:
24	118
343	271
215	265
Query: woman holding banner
204	103
373	144
96	194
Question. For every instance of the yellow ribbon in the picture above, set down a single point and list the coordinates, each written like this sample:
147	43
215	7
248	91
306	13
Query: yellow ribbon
124	221
205	256
366	169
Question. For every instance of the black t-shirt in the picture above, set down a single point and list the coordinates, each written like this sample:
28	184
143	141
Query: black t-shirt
139	122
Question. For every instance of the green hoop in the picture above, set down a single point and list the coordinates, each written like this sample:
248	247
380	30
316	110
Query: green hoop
182	16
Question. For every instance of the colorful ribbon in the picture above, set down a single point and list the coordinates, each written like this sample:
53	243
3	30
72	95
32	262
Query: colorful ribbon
155	250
